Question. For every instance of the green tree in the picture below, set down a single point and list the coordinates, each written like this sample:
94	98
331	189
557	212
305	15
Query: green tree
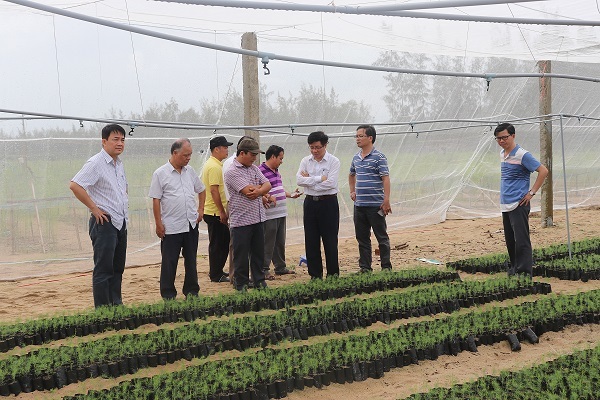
407	97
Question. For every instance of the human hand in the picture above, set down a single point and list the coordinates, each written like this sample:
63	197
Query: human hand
323	178
304	174
223	217
295	194
386	207
160	230
253	193
99	215
526	199
353	196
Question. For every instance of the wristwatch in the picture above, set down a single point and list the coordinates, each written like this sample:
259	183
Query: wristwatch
531	193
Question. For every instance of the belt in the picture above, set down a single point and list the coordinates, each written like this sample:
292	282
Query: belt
318	198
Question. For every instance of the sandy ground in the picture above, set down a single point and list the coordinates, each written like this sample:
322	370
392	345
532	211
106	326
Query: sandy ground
447	241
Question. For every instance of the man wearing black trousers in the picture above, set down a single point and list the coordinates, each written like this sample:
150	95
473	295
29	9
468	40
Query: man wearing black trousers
516	166
101	186
215	209
177	214
318	174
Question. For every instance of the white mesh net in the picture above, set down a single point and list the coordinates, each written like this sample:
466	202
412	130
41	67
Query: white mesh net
441	164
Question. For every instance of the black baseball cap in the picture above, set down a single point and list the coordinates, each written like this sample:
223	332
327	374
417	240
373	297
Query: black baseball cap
219	141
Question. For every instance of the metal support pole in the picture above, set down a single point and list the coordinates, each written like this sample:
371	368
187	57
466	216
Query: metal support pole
562	142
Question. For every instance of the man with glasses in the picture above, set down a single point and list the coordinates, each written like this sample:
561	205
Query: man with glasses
369	182
516	166
318	175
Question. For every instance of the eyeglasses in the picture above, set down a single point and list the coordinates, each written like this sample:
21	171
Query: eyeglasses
315	147
360	136
500	138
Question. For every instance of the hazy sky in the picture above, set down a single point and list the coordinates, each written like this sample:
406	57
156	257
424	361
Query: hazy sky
58	65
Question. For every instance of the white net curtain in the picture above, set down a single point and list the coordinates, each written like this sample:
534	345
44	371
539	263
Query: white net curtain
443	162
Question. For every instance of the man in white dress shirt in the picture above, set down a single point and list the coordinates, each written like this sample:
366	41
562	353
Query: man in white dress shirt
318	175
101	186
177	213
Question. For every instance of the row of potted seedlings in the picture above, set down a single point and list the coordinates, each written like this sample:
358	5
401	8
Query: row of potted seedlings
494	263
116	355
273	373
45	330
581	267
573	376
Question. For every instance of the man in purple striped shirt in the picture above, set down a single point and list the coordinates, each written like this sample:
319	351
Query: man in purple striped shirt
102	187
246	186
276	213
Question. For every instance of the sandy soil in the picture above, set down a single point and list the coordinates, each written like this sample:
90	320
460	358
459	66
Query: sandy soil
447	241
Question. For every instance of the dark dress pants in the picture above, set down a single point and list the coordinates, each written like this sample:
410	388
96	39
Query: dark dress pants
518	242
365	219
248	254
110	246
321	222
171	246
218	246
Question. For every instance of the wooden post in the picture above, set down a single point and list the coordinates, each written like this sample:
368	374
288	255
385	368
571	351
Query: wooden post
547	195
250	85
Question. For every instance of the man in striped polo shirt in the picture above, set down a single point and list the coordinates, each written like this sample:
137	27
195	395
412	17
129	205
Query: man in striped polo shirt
246	186
276	213
516	166
369	183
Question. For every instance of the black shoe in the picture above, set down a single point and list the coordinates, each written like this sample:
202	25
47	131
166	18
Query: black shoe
285	272
223	278
260	285
364	271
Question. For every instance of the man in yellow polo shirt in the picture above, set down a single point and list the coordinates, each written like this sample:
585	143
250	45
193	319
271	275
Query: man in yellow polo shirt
215	206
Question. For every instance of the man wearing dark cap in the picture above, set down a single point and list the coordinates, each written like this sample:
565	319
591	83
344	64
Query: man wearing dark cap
246	185
215	215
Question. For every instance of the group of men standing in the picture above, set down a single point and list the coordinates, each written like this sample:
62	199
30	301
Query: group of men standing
244	207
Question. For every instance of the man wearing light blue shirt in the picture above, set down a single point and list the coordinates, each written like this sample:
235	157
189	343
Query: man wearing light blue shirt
101	186
516	166
173	190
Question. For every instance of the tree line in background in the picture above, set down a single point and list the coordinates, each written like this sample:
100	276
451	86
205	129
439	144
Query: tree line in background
408	97
424	97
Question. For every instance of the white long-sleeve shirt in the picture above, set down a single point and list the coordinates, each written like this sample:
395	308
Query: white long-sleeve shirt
328	166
